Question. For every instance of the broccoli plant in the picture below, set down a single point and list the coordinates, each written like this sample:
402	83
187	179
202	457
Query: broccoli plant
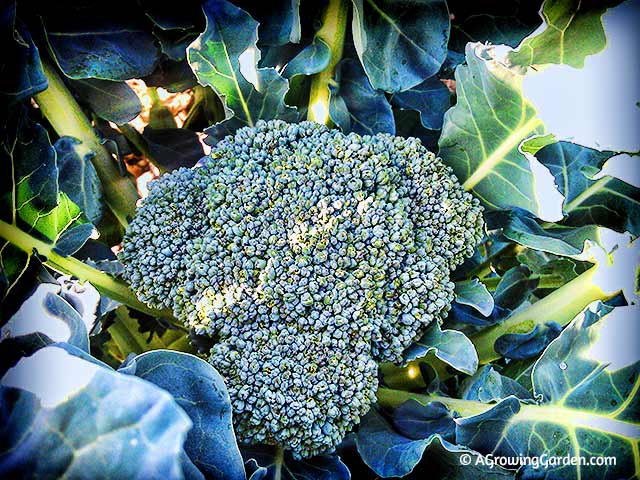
319	240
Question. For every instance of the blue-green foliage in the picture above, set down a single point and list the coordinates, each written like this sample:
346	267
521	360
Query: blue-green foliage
201	393
606	201
408	38
214	58
113	426
262	464
356	106
116	44
113	101
21	56
78	178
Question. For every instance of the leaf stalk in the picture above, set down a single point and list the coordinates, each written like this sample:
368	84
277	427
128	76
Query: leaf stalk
332	32
104	283
67	118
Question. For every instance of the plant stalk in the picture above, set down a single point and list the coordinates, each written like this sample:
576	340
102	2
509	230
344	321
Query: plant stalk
561	306
544	281
332	32
67	118
103	282
278	461
388	397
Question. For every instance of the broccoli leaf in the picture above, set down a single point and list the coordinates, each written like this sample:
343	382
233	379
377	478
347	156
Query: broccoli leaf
520	226
117	44
431	98
113	101
113	425
199	389
573	31
215	59
521	346
355	106
488	386
606	201
483	132
126	337
587	380
409	39
47	313
391	454
31	197
450	346
265	462
476	295
279	20
78	178
417	421
171	148
21	55
312	59
514	287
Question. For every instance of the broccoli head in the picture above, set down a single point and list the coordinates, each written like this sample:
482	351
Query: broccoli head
309	255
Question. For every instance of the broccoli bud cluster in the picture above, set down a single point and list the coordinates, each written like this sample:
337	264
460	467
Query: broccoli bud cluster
310	256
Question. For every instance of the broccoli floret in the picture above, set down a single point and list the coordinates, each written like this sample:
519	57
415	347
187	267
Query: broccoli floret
155	251
315	255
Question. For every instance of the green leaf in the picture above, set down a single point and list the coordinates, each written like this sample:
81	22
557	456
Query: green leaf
476	295
431	98
573	31
200	391
391	454
20	56
113	101
126	338
483	132
30	195
607	202
488	386
500	23
450	346
78	178
311	60
279	20
408	38
214	58
86	41
514	287
587	381
66	415
520	226
355	106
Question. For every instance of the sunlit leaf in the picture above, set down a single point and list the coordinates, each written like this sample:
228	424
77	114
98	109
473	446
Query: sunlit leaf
573	31
482	133
215	59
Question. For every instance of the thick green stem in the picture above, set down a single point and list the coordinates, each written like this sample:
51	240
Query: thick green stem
103	282
560	306
67	118
544	281
278	461
332	32
388	397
